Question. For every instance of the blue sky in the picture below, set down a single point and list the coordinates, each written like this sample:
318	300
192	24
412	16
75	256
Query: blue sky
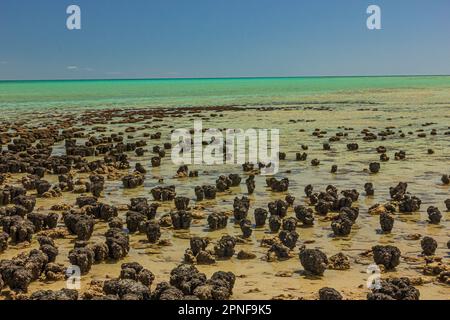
222	38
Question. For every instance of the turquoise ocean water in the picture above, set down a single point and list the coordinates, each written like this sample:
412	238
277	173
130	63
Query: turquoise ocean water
198	92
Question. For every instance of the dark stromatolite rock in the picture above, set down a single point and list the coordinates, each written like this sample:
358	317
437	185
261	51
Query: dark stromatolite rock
80	224
246	228
101	252
28	202
3	241
409	204
134	220
50	251
341	226
368	187
260	217
86	201
210	192
313	261
386	221
187	278
164	291
429	246
352	194
445	179
133	181
374	167
250	183
301	156
334	168
388	256
235	179
140	152
153	231
97	184
278	185
42	187
289	199
219	287
199	193
447	204
223	183
116	223
288	238
30	181
434	215
141	205
352	146
329	294
181	219
400	155
140	168
198	244
166	193
399	191
323	207
289	224
240	208
304	215
135	271
278	251
23	269
247	167
83	258
339	261
118	243
18	229
181	203
225	247
155	161
127	288
278	208
217	221
275	223
394	289
50	295
103	211
384	157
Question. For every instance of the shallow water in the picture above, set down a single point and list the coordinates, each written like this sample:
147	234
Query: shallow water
405	109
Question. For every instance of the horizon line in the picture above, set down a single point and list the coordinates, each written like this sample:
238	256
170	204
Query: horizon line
229	78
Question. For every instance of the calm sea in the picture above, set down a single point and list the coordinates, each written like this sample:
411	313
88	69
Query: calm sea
197	92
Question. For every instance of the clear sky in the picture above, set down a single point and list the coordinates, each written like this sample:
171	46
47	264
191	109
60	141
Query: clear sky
222	38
